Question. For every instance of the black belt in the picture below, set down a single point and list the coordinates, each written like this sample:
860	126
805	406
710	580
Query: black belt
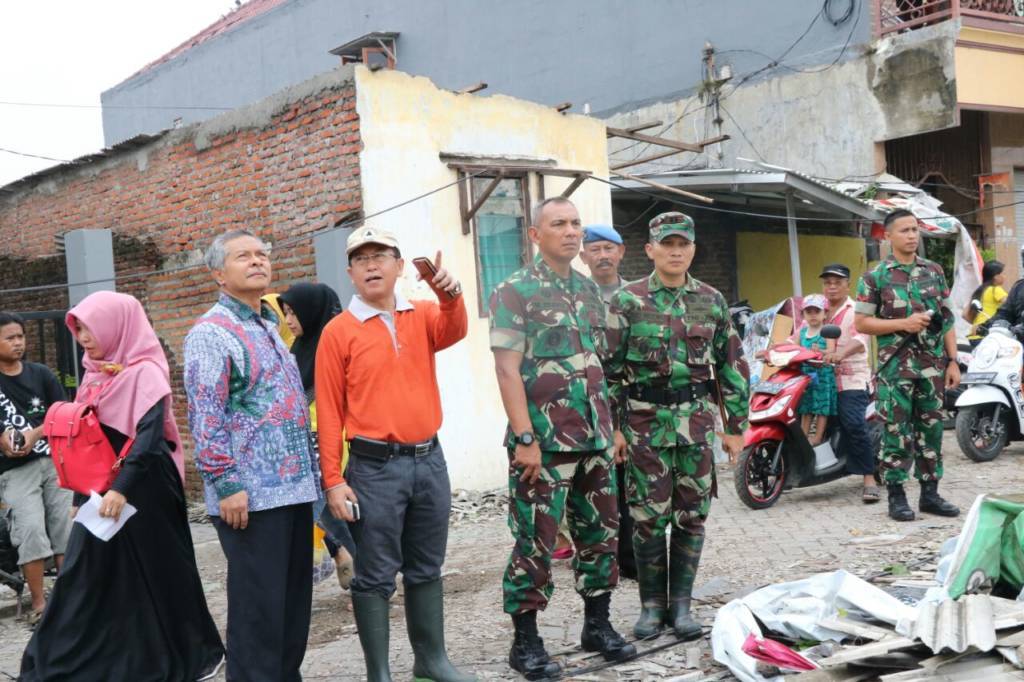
659	395
382	449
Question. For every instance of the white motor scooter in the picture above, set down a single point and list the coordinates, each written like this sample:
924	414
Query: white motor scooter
990	412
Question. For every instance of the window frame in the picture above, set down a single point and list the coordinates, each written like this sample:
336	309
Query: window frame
523	177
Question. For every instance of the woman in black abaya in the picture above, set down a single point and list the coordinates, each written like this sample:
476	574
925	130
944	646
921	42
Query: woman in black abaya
131	608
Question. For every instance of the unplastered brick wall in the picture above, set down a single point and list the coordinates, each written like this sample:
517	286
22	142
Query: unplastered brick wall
715	259
282	168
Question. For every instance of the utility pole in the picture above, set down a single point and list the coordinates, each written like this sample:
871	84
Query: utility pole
711	87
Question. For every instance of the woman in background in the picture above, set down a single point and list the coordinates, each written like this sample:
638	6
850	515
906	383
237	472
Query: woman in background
307	309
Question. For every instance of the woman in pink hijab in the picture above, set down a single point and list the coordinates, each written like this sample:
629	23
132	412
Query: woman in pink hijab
131	608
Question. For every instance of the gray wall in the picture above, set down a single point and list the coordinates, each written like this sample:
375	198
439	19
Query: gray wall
612	54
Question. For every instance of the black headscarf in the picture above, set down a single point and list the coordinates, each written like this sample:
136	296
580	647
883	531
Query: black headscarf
314	305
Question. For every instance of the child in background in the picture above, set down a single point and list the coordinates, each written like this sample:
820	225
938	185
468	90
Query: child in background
820	400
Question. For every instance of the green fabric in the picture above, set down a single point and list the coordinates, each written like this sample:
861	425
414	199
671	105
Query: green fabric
500	244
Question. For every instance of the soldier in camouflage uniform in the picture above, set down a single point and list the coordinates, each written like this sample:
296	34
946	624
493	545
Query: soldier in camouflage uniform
547	334
673	338
903	301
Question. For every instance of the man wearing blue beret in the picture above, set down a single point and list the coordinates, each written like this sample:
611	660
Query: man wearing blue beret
602	253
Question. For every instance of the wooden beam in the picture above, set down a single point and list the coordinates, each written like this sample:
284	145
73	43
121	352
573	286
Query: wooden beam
483	196
511	169
574	185
642	126
666	188
662	155
660	141
464	201
472	88
563	107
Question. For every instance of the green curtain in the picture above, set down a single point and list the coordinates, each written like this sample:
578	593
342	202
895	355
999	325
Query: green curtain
500	243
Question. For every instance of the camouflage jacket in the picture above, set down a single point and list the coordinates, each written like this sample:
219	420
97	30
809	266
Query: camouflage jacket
892	291
674	338
559	327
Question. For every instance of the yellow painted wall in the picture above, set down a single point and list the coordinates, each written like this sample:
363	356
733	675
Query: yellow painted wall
405	122
990	77
762	262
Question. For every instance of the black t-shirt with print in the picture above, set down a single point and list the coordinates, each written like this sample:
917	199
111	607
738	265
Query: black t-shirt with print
26	397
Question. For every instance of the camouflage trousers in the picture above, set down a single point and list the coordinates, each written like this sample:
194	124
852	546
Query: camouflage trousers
912	410
669	486
582	486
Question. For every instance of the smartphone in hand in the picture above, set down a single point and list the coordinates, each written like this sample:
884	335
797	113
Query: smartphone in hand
427	271
353	509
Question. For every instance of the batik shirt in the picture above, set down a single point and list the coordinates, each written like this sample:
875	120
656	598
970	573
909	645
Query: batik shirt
675	338
892	291
557	323
247	410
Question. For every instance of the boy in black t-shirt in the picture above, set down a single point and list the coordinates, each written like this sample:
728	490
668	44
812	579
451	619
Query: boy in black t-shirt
39	508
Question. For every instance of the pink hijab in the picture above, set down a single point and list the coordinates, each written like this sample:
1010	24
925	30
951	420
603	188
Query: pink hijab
133	374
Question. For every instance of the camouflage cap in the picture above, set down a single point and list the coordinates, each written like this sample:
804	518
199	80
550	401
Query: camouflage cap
666	224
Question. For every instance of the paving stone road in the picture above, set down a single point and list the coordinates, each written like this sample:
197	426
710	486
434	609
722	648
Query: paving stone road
808	531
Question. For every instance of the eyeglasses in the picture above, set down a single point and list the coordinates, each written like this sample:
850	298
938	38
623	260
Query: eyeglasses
378	258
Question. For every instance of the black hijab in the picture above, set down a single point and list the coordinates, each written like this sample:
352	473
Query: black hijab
314	305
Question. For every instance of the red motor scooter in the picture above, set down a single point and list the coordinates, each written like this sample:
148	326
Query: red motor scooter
777	455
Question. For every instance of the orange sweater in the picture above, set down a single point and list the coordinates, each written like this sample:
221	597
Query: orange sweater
364	387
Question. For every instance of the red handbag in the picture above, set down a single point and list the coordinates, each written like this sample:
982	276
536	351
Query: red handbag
81	452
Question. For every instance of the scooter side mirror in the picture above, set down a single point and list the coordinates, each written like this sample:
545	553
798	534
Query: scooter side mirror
831	332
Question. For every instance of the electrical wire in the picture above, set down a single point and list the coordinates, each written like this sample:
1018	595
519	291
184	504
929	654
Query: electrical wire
61	105
284	242
32	156
742	132
751	214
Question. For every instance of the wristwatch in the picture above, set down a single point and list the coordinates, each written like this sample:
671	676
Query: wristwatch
526	438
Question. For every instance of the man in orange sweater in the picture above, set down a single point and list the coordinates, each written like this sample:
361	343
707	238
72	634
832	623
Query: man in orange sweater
376	386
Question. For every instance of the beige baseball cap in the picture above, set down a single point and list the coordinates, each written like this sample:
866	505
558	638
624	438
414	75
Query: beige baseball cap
370	235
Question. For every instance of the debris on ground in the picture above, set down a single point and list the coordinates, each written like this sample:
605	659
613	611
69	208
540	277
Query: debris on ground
950	623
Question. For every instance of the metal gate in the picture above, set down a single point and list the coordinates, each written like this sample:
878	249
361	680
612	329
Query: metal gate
48	341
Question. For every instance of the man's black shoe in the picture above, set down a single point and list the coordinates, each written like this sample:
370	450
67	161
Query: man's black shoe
932	503
528	656
899	510
598	633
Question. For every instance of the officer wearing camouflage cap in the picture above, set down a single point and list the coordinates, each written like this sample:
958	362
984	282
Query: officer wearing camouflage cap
673	338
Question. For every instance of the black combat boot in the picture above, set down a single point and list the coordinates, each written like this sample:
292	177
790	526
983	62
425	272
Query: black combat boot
682	571
424	617
899	510
528	656
598	633
372	614
931	503
652	573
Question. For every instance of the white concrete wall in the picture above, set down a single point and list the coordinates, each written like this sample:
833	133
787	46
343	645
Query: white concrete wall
405	123
824	122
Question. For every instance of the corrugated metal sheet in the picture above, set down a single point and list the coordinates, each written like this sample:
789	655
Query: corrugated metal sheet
967	623
119	148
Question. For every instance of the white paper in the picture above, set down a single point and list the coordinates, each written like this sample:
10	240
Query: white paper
102	527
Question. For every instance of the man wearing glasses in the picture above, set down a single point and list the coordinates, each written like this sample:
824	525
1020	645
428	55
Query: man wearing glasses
376	387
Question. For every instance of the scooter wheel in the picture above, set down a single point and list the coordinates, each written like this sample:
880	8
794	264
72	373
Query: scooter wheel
758	478
980	434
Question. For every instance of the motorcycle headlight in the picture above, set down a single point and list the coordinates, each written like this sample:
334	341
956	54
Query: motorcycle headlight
1007	351
985	355
773	411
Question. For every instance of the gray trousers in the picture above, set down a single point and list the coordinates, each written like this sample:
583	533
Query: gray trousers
404	504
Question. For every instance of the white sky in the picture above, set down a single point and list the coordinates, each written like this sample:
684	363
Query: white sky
67	52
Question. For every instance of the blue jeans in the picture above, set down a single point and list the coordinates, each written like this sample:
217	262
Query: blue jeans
860	460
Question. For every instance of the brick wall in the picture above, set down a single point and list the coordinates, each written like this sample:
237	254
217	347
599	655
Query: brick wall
280	169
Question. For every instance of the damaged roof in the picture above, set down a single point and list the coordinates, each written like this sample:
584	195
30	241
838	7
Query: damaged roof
750	187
